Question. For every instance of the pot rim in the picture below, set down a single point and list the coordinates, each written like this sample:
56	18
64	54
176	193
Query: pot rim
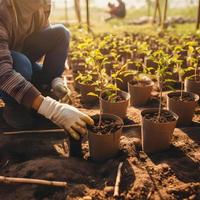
122	92
191	79
150	110
196	96
150	84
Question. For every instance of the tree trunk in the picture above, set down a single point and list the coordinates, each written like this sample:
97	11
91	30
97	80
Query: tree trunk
88	15
78	10
66	11
148	7
198	17
159	12
155	13
157	7
165	14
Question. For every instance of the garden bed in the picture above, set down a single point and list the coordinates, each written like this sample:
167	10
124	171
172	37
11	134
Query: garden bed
172	174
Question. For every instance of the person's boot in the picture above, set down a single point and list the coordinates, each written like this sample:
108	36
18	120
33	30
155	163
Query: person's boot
18	117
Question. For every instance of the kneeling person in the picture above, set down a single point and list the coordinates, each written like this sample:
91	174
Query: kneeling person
26	37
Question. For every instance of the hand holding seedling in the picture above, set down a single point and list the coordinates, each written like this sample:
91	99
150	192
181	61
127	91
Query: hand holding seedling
65	116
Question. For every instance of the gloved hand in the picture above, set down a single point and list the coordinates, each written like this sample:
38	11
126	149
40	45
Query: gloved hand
61	91
65	116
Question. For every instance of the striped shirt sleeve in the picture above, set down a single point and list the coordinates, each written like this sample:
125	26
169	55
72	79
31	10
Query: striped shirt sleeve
11	82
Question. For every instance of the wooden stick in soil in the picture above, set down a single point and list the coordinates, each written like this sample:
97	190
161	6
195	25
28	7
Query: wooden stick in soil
35	131
160	102
118	180
182	88
55	130
11	180
132	126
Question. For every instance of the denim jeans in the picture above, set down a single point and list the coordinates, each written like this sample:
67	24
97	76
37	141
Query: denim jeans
53	44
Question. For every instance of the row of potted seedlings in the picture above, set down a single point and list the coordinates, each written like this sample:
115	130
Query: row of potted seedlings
109	85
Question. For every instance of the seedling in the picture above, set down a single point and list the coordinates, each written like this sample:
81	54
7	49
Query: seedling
86	78
97	60
193	57
179	67
163	61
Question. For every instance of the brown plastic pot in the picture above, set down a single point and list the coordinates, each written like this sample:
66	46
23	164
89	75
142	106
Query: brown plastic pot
119	108
140	94
104	146
156	136
192	86
184	109
84	90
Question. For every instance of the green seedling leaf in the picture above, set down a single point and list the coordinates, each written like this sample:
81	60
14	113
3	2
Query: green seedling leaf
171	88
92	94
169	81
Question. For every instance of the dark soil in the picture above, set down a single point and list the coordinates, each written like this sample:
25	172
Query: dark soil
171	175
118	98
164	118
185	98
107	126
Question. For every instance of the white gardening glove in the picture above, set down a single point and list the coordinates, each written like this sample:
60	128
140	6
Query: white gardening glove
61	90
65	116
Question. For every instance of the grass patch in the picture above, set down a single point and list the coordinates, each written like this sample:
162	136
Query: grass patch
98	24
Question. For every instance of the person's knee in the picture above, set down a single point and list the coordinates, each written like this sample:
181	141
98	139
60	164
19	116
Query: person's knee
22	65
64	33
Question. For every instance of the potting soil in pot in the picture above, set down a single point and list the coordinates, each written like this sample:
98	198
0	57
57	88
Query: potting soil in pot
185	98
104	138
164	118
106	126
116	99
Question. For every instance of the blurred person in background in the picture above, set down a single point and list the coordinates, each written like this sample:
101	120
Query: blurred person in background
25	37
118	11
